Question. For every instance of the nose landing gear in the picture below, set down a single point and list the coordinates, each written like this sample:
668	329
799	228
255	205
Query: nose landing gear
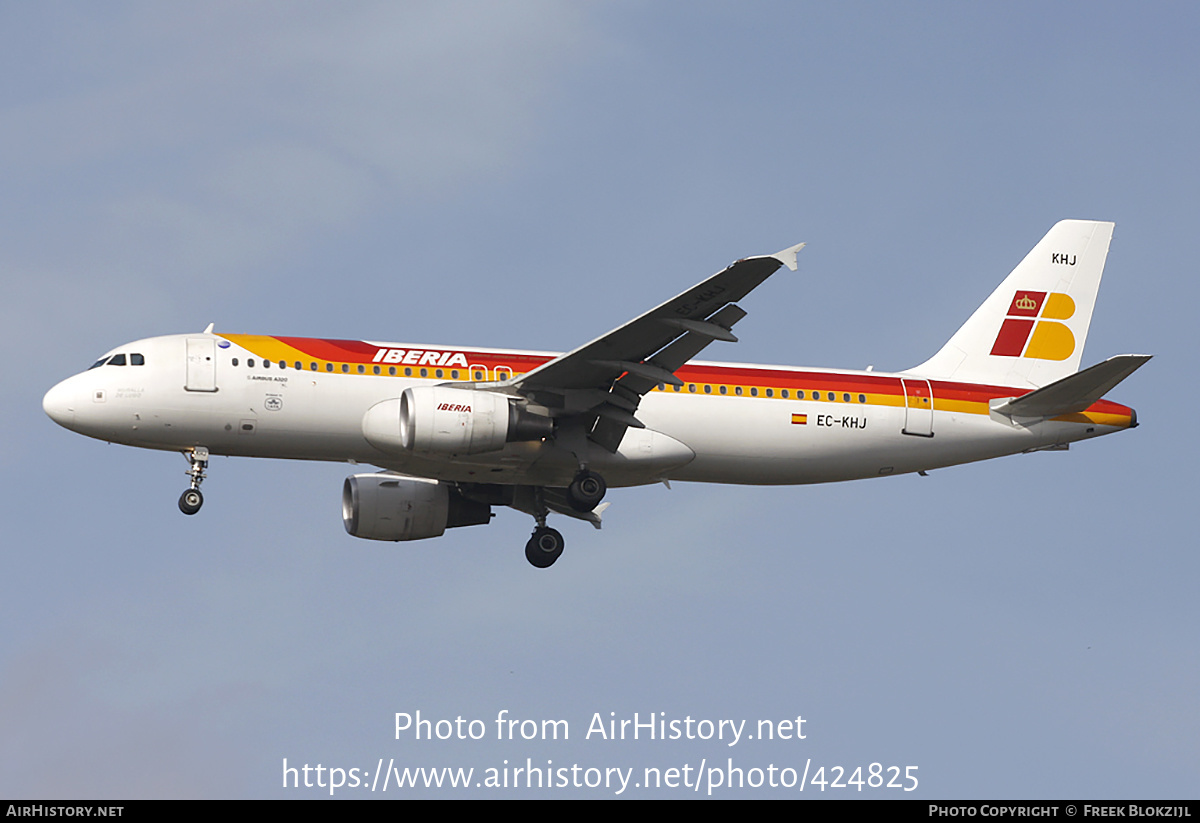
191	500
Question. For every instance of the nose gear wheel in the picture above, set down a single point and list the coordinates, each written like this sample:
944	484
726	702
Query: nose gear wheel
191	500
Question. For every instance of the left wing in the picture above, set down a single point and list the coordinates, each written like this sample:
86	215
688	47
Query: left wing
603	381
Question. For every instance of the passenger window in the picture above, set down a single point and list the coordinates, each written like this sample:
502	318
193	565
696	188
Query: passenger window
424	372
738	391
117	360
235	361
375	369
692	387
137	360
299	366
846	397
862	398
800	394
312	366
438	374
770	392
362	369
345	368
250	362
784	394
392	370
266	364
832	396
478	375
283	364
754	392
328	367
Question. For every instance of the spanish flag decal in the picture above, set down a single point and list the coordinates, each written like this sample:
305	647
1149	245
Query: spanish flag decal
800	419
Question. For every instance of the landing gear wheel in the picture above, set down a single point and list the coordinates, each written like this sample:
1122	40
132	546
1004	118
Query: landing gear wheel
544	547
586	491
191	501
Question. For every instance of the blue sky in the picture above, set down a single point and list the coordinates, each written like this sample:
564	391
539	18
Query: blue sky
530	175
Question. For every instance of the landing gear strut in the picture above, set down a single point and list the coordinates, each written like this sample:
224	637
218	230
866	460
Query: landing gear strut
546	544
586	491
191	500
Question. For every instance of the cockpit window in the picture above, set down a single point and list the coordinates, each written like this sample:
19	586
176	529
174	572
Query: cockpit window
137	360
117	360
98	363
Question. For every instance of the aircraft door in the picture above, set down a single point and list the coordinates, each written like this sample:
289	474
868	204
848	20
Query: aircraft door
918	408
201	364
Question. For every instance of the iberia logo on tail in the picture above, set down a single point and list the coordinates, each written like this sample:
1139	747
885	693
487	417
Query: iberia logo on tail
1031	329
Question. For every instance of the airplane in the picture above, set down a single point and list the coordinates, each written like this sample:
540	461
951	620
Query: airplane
459	430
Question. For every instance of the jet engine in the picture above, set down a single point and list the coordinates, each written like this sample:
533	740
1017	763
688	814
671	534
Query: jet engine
392	507
442	420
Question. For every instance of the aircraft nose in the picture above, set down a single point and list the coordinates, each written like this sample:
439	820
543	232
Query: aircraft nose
59	404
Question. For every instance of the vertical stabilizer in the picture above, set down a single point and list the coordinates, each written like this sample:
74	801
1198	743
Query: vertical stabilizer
1031	331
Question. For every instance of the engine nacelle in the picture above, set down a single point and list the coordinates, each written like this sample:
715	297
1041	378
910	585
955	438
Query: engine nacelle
442	420
391	507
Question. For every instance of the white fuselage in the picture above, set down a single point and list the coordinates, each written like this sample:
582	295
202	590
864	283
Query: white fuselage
728	423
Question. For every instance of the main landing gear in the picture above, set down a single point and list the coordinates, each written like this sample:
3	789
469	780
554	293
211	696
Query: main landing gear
546	544
544	547
586	491
583	496
191	500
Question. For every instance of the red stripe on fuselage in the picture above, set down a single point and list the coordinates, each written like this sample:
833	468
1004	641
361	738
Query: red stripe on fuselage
358	351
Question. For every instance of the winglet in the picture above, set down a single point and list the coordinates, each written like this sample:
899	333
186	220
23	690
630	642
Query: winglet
788	256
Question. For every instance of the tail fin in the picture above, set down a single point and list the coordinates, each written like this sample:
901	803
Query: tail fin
1031	331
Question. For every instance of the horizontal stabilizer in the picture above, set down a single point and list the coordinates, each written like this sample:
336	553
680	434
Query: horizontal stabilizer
1073	393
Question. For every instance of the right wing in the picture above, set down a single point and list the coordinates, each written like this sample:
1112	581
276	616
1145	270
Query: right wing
602	382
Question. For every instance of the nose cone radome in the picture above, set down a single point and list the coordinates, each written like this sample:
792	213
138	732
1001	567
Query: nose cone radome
59	403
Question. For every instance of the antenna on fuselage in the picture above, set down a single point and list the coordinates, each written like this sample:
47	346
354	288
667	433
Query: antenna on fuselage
208	329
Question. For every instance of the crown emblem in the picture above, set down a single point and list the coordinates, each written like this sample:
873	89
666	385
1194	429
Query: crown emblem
1026	303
